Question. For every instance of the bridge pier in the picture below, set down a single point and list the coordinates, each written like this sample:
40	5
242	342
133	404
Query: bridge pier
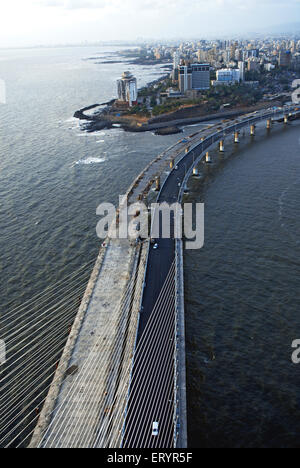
221	146
157	184
269	124
195	171
236	137
286	119
252	130
207	158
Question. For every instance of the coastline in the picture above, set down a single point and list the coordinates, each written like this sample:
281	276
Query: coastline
110	114
165	124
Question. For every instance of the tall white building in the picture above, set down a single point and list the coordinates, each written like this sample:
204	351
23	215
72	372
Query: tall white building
228	75
176	60
242	70
127	89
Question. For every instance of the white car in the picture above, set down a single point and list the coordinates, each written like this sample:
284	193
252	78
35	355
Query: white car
155	246
155	428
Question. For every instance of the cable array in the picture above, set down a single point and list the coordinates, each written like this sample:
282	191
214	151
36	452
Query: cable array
96	404
35	334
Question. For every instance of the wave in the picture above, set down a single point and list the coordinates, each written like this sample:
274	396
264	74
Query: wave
90	160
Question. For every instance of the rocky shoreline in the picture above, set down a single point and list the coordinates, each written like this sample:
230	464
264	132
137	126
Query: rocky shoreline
163	125
109	115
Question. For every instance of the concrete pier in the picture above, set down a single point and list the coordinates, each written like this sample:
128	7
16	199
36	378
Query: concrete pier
207	158
269	124
221	146
252	130
236	137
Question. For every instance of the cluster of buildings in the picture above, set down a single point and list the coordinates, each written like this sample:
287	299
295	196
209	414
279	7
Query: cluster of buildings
227	62
227	53
197	76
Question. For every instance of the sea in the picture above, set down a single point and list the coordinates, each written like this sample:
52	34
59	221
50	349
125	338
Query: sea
241	288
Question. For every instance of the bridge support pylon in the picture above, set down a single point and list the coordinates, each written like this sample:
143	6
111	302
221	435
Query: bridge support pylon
207	158
195	171
236	137
252	130
221	146
269	124
286	119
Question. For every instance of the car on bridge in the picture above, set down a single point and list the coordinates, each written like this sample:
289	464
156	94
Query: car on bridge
155	428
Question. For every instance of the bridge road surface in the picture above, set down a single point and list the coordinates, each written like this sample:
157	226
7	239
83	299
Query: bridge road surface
157	390
157	403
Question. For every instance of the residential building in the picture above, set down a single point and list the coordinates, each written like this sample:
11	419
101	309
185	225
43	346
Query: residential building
127	89
228	75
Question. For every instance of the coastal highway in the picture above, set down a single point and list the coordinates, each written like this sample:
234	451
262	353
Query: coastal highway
152	395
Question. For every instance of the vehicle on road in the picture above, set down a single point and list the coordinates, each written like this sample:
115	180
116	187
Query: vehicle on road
155	428
155	246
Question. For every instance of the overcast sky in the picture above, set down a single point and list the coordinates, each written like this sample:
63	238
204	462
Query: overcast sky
28	22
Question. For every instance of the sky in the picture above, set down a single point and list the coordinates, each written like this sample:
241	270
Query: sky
33	22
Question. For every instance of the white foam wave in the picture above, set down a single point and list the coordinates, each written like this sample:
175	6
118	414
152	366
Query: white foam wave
90	160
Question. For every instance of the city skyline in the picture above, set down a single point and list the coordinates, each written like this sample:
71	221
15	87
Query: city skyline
50	22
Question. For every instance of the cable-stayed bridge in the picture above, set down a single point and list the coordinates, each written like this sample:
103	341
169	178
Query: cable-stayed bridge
101	375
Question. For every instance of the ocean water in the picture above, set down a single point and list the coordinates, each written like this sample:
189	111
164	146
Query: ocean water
242	296
52	174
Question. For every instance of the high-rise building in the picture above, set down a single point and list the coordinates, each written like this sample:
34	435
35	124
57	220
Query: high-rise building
285	57
127	89
200	76
185	78
201	55
253	53
228	75
176	61
194	76
252	64
242	70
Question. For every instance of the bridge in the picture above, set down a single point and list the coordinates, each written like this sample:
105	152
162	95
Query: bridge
123	365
